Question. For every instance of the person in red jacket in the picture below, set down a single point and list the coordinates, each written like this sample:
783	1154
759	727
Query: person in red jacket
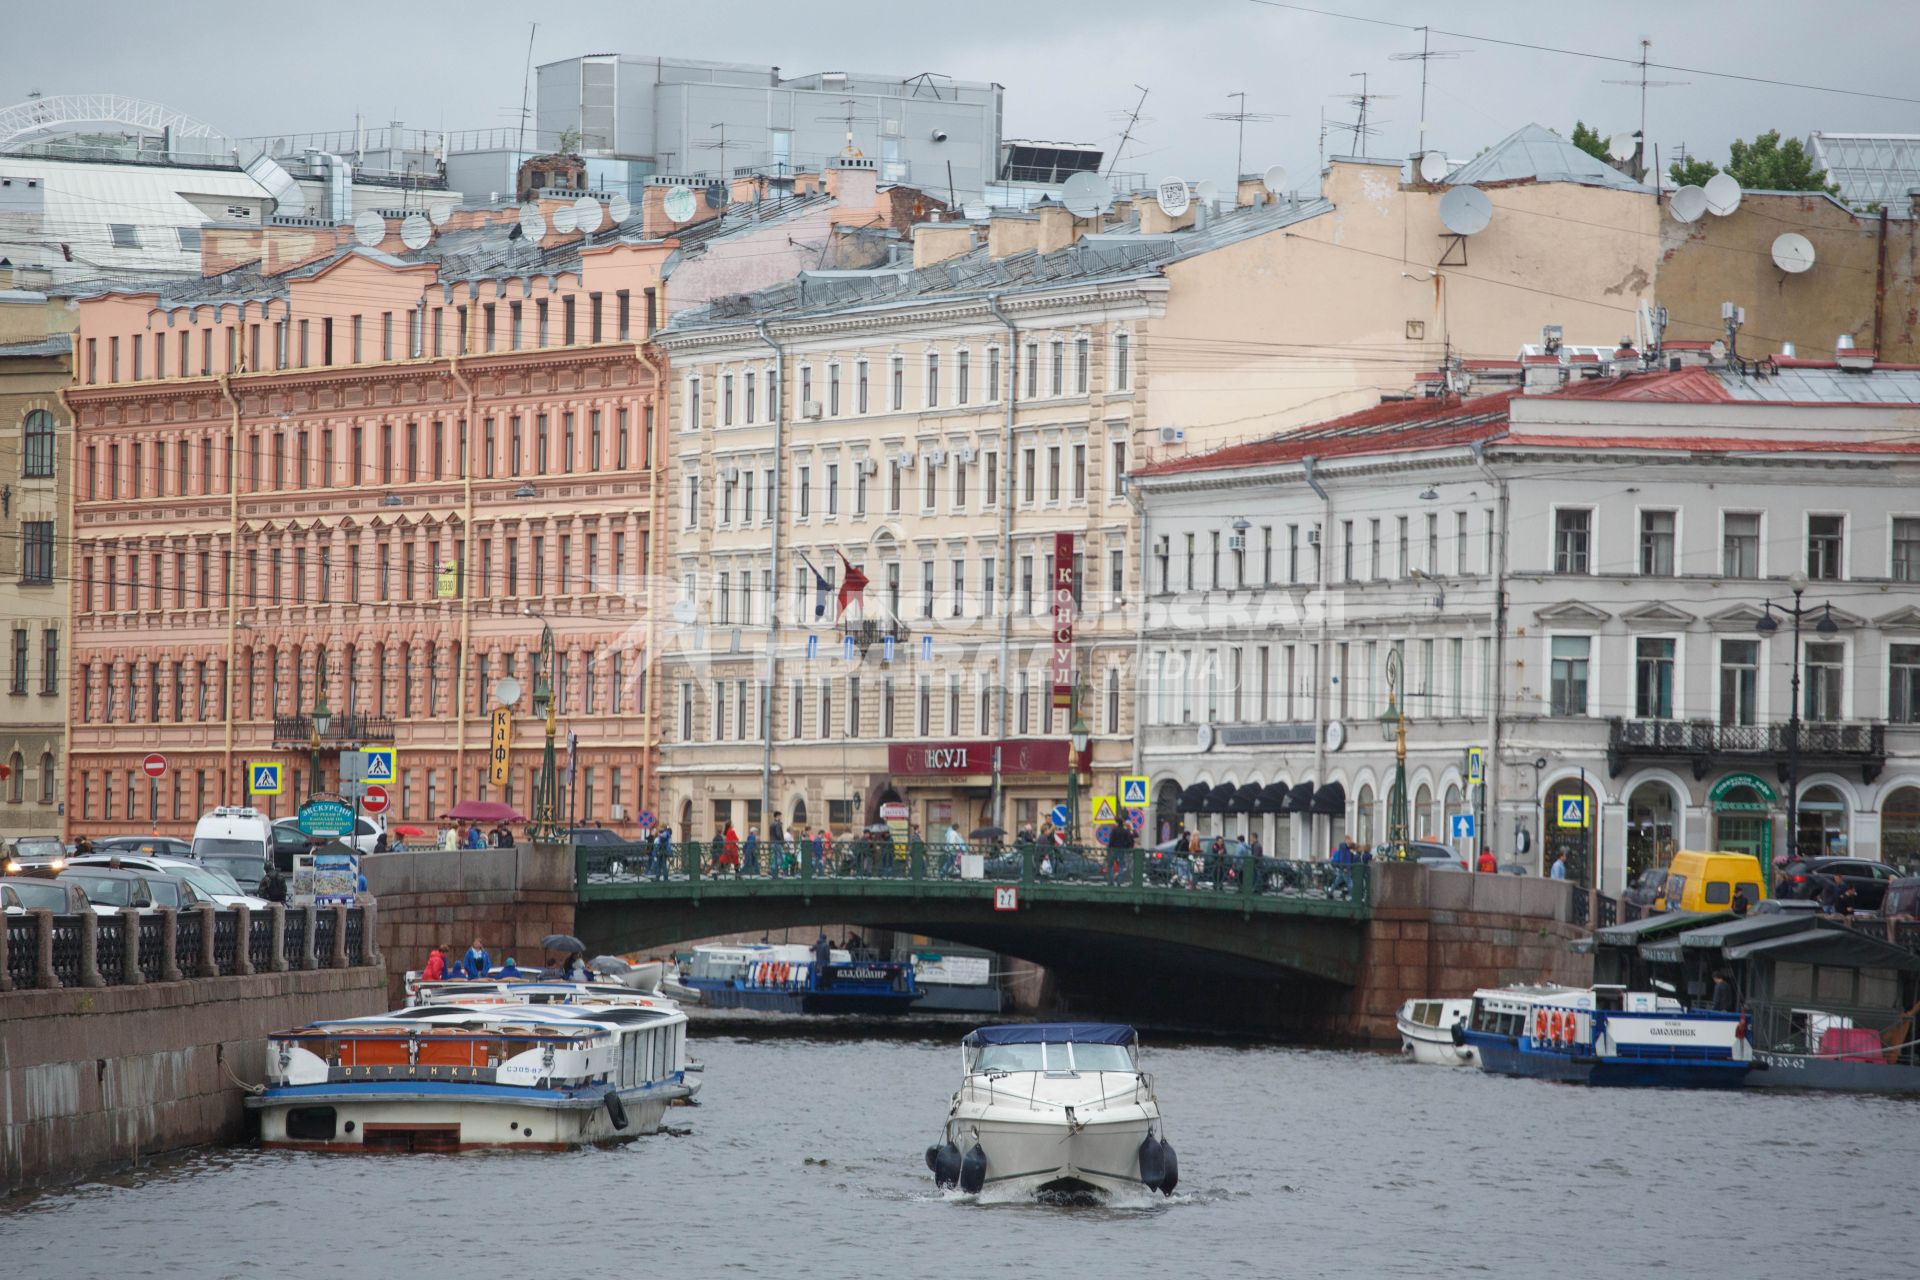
436	965
1487	864
730	860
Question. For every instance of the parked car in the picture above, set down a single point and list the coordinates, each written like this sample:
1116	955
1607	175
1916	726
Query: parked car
112	890
32	893
1811	878
1647	888
208	882
1708	880
238	841
1441	862
161	846
46	852
1066	866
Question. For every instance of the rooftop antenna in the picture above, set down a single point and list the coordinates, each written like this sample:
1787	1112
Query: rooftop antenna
526	79
1133	118
1360	129
847	119
1423	57
1646	47
721	145
1240	118
925	80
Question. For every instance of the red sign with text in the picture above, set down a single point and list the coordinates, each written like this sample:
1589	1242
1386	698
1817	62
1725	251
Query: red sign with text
154	766
1063	611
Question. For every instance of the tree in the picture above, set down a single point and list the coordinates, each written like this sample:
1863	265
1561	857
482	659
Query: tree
1691	172
1590	141
1767	164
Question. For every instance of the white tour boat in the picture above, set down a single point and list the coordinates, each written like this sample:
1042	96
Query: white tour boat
453	1076
1426	1033
1053	1108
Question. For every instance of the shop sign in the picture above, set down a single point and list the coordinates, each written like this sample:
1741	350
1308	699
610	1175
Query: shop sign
1063	610
1716	794
975	759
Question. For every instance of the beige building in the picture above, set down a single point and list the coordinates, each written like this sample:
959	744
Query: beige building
35	478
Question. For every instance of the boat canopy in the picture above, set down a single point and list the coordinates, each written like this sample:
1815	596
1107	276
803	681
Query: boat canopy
1054	1033
1830	946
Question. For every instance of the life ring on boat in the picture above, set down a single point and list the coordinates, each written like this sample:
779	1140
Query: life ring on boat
781	976
1539	1024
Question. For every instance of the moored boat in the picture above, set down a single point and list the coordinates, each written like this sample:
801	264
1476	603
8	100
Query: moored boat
1053	1108
455	1076
1426	1032
789	978
1605	1035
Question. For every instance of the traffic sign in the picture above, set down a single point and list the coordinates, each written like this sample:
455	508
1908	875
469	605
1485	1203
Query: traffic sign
375	801
646	819
353	766
154	766
1573	811
1106	811
501	746
1137	819
381	764
1133	792
1462	826
1103	834
1058	815
1476	765
263	779
353	790
1006	898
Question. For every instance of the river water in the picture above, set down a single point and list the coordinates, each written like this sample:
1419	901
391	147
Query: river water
805	1159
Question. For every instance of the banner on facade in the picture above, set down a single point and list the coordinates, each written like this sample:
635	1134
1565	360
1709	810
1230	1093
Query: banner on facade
500	747
1063	609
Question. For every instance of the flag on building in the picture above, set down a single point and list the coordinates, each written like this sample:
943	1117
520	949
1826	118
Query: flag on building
851	586
821	587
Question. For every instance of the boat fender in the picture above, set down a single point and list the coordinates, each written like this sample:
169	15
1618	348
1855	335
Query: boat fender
973	1170
1171	1178
1459	1033
944	1160
1153	1162
616	1110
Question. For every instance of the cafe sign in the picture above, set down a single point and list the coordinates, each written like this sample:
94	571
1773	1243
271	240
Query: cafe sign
1718	793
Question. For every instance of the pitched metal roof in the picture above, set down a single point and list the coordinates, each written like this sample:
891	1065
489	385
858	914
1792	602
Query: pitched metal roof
56	344
1538	153
1870	168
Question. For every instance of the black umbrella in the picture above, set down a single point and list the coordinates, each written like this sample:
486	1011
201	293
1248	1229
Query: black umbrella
564	942
611	964
987	833
880	828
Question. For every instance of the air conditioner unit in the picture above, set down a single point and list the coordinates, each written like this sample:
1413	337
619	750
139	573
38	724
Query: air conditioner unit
1172	435
1313	536
904	462
730	474
1162	545
868	466
967	456
810	409
1236	542
618	812
936	457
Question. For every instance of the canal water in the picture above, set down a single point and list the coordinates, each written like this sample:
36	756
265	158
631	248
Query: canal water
805	1159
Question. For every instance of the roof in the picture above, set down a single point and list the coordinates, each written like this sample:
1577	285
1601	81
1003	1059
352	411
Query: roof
1054	1033
1538	154
1777	382
1831	946
1870	168
57	344
1631	932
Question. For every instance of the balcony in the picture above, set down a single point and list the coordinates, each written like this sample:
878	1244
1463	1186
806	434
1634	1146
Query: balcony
1703	743
344	730
867	632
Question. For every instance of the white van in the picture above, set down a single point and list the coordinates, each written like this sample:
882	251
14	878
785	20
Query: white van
236	840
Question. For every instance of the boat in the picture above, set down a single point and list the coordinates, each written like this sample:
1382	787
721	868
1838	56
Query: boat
958	984
457	1076
1605	1035
786	978
1426	1033
1053	1108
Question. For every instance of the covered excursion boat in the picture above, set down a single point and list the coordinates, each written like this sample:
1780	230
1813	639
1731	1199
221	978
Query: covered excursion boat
789	978
1605	1035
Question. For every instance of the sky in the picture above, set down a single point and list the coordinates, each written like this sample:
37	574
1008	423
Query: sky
1071	72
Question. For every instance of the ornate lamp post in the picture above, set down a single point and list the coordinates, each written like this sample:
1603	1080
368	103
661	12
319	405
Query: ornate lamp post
1393	728
1078	736
547	788
322	721
1767	626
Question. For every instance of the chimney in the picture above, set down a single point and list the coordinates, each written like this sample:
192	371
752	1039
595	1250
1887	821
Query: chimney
1852	358
1544	374
1154	221
937	241
654	223
1058	228
854	181
1251	191
1010	232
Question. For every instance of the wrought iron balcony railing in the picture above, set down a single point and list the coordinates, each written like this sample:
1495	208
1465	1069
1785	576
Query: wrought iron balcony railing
343	729
1703	741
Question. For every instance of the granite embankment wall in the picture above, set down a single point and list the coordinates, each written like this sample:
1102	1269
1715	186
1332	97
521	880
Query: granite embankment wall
507	898
95	1077
1436	933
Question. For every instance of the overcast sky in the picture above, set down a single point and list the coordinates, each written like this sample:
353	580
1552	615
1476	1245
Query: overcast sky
1069	70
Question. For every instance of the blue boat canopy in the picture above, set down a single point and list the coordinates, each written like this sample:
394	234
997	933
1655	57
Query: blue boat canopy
1054	1033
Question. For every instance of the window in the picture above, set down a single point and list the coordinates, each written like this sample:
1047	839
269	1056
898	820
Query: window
20	651
1082	360
50	661
1079	472
1653	664
962	375
926	588
1906	549
1825	680
36	461
1053	473
1346	550
1122	362
1740	545
897	384
933	381
1656	543
124	235
833	488
959	589
1572	531
1057	368
1571	655
1739	681
833	390
36	551
803	487
990	484
1826	537
1903	683
993	373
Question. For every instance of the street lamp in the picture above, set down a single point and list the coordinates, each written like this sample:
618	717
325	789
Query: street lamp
1767	626
546	791
1393	728
1078	736
322	721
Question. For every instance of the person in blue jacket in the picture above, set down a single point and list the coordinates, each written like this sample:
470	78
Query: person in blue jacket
477	962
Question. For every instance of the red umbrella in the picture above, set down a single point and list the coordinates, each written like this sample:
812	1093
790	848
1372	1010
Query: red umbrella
408	831
483	811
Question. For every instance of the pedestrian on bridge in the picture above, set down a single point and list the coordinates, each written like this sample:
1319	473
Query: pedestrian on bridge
776	846
1342	859
729	858
752	851
662	851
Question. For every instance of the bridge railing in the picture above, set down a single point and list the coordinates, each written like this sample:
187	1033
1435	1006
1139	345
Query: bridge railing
636	867
40	950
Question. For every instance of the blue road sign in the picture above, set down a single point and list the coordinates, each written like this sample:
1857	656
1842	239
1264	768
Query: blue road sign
1103	834
1573	811
263	779
380	764
1463	826
646	817
1059	815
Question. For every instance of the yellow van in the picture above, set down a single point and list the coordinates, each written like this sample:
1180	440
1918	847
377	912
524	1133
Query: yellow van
1707	881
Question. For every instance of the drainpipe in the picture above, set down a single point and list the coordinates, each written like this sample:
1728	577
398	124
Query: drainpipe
1006	548
1880	287
73	435
466	579
773	605
1324	645
1491	766
233	562
1139	503
655	513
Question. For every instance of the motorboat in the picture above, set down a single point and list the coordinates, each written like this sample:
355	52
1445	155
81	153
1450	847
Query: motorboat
959	984
1605	1035
788	978
455	1076
1426	1033
1053	1108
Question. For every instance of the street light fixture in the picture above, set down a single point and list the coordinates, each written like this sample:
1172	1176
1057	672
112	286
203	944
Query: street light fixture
1797	582
1393	728
1078	736
322	721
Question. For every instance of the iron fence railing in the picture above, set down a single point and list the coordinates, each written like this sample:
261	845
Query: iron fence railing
296	731
635	866
226	943
72	966
293	941
186	943
66	950
23	950
260	941
110	949
323	931
1839	740
153	947
356	933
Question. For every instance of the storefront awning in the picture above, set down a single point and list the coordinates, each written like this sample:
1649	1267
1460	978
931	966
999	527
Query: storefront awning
1220	799
1246	798
1331	798
1300	798
1273	798
1194	798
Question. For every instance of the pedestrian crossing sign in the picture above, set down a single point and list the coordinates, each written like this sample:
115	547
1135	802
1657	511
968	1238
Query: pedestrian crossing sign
1573	811
1105	811
263	779
380	764
1133	793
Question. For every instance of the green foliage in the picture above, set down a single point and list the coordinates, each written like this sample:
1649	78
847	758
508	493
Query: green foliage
1764	164
1691	172
1589	140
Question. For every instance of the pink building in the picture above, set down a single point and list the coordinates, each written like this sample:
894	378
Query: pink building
368	473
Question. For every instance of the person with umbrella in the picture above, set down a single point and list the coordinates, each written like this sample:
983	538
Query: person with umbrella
572	965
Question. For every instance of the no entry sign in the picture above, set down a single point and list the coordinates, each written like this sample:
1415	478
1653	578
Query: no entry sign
375	801
154	766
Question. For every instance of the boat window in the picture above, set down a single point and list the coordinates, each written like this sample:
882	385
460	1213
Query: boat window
1100	1057
1012	1057
310	1124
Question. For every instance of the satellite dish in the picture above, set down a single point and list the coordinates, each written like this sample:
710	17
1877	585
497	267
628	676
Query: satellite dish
981	212
533	223
1621	145
587	214
440	214
1687	203
1172	196
679	205
1792	253
1086	194
370	229
1275	180
1723	194
415	231
1205	191
1433	167
506	691
1465	211
563	219
716	195
619	208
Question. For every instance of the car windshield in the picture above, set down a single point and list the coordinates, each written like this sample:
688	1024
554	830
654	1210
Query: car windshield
111	891
209	881
241	868
40	896
38	847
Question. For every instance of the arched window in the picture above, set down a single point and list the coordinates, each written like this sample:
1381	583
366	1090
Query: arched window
16	778
46	777
799	812
1900	827
1823	824
36	457
1363	817
1421	819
